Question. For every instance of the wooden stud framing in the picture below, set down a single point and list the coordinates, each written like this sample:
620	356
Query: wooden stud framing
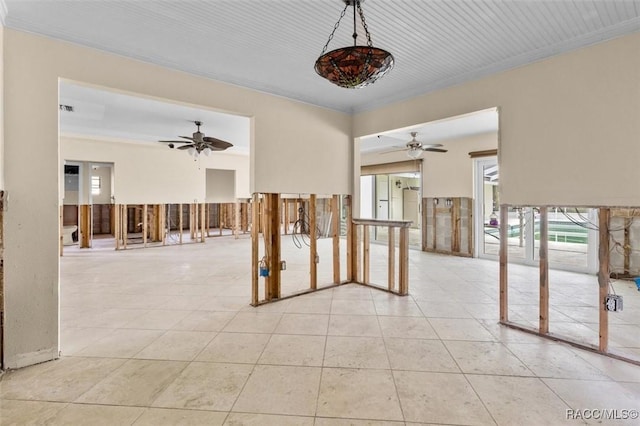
85	226
544	270
202	222
365	254
117	229
125	224
350	240
335	234
603	278
627	246
287	220
455	225
433	224
313	243
145	224
272	217
255	253
470	226
236	222
180	224
60	230
163	223
403	276
221	213
391	272
504	248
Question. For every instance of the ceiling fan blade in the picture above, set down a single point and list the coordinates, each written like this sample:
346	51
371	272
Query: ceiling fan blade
218	143
175	141
434	149
186	146
188	137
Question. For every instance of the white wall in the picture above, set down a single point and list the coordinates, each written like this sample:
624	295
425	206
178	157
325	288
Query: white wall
149	174
569	125
104	172
293	146
221	186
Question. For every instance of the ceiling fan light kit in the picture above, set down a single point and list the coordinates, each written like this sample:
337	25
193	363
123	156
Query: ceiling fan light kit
199	143
353	67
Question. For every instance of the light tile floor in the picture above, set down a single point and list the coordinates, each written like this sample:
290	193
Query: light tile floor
165	336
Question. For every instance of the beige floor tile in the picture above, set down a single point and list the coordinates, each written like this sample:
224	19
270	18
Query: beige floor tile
280	390
352	291
397	306
352	307
355	352
253	322
358	394
320	421
406	327
224	303
354	325
62	380
520	400
111	318
73	340
439	398
205	386
586	394
20	413
177	346
204	321
157	319
285	349
621	371
420	355
137	382
555	361
245	419
316	324
235	348
301	305
175	417
437	309
486	358
96	415
121	343
460	329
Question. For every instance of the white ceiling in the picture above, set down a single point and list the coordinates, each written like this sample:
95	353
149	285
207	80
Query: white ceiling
272	45
121	117
435	43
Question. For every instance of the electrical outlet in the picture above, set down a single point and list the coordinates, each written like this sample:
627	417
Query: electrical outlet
283	265
317	258
613	303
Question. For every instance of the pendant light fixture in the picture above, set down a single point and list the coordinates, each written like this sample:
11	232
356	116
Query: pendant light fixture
354	66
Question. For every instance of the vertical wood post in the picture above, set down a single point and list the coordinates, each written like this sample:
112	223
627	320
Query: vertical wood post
163	223
455	225
85	226
145	224
504	250
627	246
180	224
60	231
403	260
208	217
125	225
391	273
603	278
470	225
350	240
117	228
433	223
255	241
357	263
544	270
335	234
365	254
313	242
221	213
272	213
287	221
236	223
202	222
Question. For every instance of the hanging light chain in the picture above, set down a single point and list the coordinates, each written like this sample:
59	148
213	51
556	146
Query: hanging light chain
364	25
335	27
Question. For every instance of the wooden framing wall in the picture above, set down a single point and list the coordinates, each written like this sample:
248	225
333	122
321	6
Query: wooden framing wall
604	274
2	203
448	226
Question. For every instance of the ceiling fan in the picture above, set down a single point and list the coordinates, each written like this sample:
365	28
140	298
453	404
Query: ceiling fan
199	143
415	148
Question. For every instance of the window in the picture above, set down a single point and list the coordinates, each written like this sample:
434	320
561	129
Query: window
95	185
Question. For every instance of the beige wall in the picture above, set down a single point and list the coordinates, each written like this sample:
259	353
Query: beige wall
569	125
104	197
147	174
1	106
295	145
221	186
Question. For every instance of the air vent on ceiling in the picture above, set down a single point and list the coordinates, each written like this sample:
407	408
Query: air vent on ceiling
66	108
